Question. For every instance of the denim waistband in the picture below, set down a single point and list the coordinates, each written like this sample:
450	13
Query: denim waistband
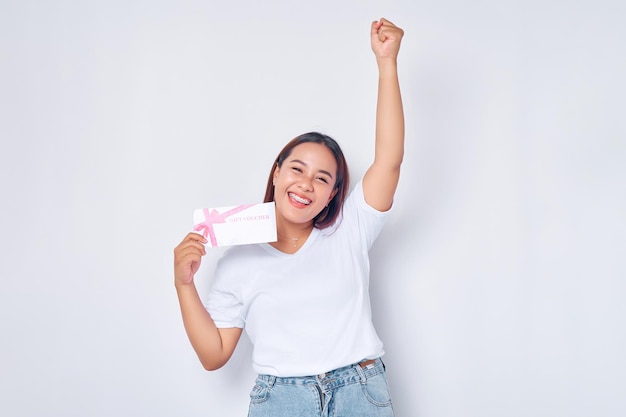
333	379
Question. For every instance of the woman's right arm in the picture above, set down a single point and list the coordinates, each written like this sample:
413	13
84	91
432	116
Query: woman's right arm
214	346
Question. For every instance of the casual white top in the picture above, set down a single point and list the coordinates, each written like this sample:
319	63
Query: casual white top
309	312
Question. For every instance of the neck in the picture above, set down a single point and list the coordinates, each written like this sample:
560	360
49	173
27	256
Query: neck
294	235
288	229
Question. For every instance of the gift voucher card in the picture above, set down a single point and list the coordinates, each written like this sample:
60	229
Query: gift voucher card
236	225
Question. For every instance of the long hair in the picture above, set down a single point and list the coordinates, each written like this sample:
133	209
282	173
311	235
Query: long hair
342	183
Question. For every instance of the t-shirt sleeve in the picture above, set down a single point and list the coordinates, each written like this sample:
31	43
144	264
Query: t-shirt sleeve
224	304
366	219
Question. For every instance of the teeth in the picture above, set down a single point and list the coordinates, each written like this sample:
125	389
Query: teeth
300	199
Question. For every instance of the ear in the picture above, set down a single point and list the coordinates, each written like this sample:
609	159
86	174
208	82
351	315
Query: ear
332	195
276	171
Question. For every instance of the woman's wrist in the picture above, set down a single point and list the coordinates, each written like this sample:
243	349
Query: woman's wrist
184	286
387	66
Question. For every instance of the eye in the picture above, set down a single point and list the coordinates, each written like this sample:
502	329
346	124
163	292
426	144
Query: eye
297	169
323	179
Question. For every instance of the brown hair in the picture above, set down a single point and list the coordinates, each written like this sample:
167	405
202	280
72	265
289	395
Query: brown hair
330	213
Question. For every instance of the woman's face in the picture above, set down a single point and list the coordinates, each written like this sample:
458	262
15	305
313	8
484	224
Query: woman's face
305	183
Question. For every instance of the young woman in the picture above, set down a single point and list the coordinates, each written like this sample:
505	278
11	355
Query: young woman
304	299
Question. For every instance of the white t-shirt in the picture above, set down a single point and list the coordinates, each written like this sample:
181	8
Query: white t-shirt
309	312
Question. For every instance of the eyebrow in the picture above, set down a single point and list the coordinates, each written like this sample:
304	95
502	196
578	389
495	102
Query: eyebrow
323	171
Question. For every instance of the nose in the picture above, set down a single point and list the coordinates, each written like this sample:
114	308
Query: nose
306	184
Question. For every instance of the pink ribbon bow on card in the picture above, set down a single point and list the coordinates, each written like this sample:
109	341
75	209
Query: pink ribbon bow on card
212	217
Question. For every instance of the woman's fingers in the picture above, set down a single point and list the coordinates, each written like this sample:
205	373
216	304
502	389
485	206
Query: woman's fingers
188	257
386	38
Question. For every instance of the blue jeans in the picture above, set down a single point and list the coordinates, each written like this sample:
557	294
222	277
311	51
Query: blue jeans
344	392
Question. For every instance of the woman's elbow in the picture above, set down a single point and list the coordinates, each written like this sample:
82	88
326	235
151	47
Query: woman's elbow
212	364
211	367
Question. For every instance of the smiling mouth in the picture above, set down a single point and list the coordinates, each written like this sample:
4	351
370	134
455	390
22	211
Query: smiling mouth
299	199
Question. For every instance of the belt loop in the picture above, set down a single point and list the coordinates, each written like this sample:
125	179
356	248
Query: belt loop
359	370
271	381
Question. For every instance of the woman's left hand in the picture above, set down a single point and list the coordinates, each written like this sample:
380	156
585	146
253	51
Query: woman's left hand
386	39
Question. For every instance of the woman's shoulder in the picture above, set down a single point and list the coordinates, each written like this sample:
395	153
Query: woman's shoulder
357	217
355	202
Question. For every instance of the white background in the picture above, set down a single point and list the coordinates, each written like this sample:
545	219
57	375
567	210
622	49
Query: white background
497	286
